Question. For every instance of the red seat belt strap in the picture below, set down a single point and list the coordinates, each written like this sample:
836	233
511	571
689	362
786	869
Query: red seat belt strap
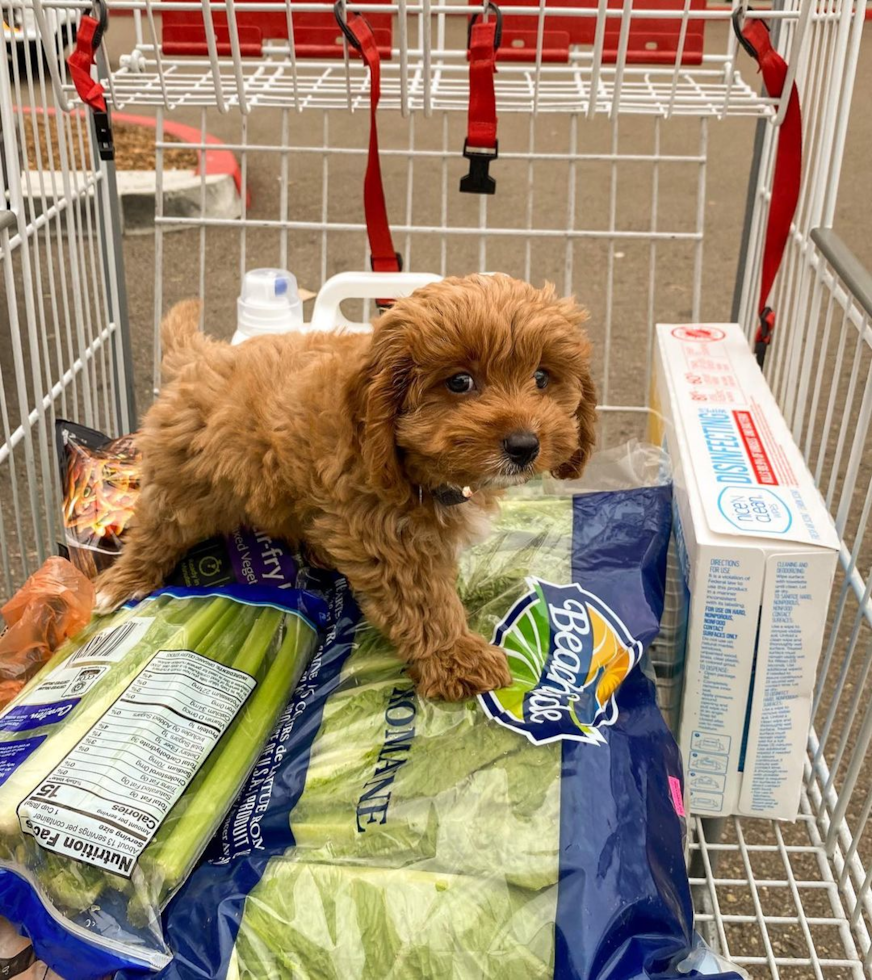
89	36
755	40
384	258
481	145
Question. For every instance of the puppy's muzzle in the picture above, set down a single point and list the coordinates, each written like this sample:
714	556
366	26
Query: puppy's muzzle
521	448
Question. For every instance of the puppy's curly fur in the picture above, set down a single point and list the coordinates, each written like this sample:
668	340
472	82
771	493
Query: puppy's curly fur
350	441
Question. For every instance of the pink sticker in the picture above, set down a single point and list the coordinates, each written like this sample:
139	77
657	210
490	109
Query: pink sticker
677	799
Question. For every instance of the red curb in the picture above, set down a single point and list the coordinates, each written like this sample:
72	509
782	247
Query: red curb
217	161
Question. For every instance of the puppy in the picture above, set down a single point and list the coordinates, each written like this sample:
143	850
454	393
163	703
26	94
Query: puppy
381	451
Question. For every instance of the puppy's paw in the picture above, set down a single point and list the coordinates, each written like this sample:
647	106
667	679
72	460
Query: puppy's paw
472	666
105	603
113	591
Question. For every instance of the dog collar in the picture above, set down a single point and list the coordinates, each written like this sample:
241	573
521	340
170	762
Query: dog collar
449	496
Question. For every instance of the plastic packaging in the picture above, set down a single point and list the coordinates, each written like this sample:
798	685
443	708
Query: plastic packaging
627	466
534	833
120	759
623	467
100	479
268	304
53	604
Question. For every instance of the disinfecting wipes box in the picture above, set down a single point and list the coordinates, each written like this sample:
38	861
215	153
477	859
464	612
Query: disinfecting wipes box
757	552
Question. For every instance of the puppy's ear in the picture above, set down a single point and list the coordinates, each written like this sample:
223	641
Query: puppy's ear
380	394
585	413
585	416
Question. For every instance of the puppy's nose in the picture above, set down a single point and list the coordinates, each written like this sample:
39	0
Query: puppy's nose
521	447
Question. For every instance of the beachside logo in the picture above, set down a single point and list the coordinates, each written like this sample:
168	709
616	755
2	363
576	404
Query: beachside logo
568	654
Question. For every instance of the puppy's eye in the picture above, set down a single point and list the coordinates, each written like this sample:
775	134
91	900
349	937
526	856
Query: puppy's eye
542	378
460	384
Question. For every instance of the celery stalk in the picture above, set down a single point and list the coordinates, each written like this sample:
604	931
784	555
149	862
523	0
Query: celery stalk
238	636
92	707
64	652
248	658
72	885
201	623
257	645
76	886
243	744
223	641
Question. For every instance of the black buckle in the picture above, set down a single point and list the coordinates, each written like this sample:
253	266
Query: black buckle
399	262
738	20
338	10
103	128
478	180
764	334
498	34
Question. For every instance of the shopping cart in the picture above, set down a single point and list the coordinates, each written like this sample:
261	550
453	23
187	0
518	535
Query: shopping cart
609	113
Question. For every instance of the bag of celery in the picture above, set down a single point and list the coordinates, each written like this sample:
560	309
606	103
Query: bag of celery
534	833
122	756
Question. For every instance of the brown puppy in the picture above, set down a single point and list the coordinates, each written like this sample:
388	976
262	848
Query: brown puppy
364	445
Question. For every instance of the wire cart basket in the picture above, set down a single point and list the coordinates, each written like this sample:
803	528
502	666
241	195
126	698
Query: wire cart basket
607	184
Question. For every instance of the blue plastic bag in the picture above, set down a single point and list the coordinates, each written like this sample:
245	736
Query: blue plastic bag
537	832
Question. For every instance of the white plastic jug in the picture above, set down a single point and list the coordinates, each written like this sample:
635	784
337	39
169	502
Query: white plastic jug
269	304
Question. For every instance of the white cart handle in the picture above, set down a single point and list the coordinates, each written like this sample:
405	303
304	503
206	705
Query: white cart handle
361	285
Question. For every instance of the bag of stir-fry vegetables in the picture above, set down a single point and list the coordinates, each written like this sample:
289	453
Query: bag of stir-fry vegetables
100	477
535	833
121	757
100	480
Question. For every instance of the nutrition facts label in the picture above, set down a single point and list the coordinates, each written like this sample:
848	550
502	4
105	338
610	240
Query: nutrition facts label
784	690
105	801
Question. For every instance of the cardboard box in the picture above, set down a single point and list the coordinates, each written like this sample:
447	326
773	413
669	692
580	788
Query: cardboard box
757	551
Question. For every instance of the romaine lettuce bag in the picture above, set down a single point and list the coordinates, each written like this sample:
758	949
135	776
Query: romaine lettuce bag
534	833
120	759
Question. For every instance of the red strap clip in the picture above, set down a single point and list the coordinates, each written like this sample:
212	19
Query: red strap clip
754	38
384	257
89	37
481	145
764	334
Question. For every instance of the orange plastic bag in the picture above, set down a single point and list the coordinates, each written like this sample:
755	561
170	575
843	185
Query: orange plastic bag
54	603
